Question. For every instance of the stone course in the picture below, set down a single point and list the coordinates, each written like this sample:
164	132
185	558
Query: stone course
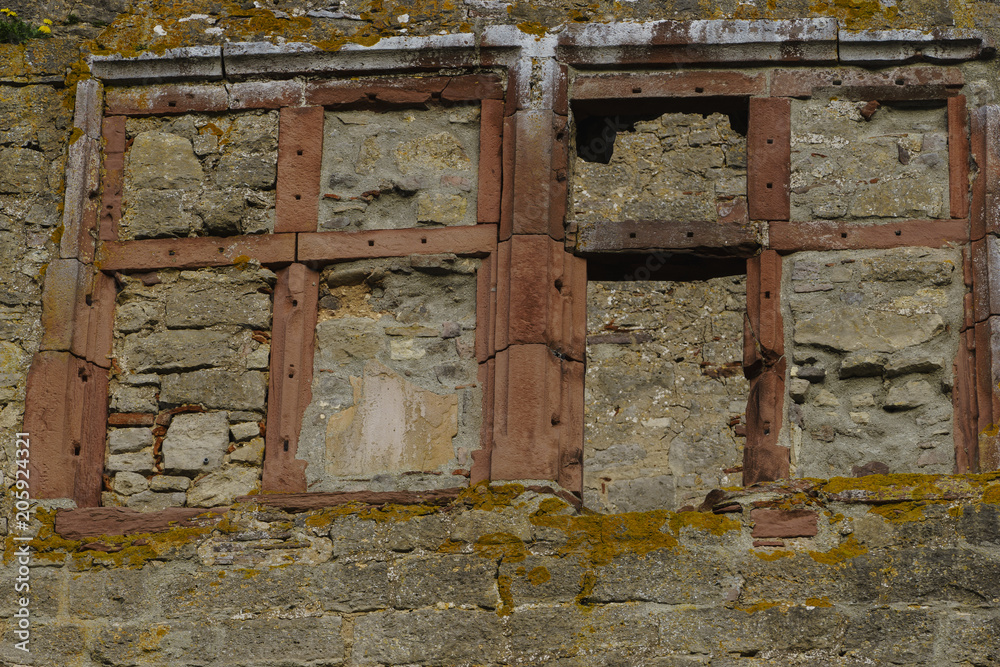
400	169
200	175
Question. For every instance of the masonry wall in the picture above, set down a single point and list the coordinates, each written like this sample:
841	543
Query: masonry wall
542	364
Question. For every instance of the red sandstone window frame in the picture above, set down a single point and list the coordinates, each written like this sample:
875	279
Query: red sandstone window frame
530	347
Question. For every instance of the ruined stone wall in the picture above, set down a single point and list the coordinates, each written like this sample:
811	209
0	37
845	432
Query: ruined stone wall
341	284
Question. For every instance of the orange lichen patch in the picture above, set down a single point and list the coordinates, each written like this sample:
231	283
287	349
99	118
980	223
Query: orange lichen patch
506	605
849	548
905	487
532	28
819	602
900	512
501	545
600	538
759	606
538	576
858	14
716	524
992	494
484	496
771	556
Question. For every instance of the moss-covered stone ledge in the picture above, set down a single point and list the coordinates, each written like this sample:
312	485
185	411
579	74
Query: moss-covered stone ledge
894	568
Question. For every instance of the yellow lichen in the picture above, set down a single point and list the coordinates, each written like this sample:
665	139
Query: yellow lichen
716	524
773	555
538	575
900	512
819	602
849	548
501	545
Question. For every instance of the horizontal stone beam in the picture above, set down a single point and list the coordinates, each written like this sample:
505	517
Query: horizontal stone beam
192	253
729	239
827	235
343	246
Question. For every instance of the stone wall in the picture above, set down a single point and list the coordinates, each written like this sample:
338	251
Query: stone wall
665	392
841	573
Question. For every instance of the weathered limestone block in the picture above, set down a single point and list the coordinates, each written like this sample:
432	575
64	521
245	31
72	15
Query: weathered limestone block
195	443
252	452
169	483
162	161
176	350
141	461
664	390
216	389
222	487
893	165
198	304
395	385
398	169
22	170
885	326
129	483
122	440
679	167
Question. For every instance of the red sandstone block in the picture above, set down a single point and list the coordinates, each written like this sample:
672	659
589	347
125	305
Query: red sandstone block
530	299
80	524
985	148
461	240
532	172
300	155
485	287
987	373
771	331
958	157
503	286
490	161
763	459
100	320
113	131
686	83
131	419
507	179
574	291
830	235
784	523
559	190
290	380
526	442
473	87
195	253
571	427
63	292
66	415
166	99
769	158
518	86
110	213
333	94
561	103
968	311
986	277
908	83
967	265
265	94
965	407
480	470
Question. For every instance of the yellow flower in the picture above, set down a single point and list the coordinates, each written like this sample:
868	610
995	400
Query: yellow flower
5	11
44	29
47	21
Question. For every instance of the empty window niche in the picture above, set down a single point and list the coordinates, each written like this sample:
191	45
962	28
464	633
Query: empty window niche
873	336
400	169
395	400
851	162
685	164
188	387
665	392
200	175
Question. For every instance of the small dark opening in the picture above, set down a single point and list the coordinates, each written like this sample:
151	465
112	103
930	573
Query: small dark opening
899	232
171	253
770	141
285	444
89	300
699	89
371	243
298	152
837	82
843	235
690	235
423	240
221	250
770	186
298	197
767	294
171	103
76	449
295	302
637	90
631	235
899	82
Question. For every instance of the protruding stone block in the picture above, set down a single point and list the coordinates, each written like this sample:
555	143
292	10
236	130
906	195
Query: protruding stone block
195	443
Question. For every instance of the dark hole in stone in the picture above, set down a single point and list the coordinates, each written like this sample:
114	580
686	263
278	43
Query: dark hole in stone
89	300
843	235
770	186
423	240
598	121
298	197
637	90
690	235
371	243
699	89
899	82
221	250
770	141
631	235
76	449
171	103
295	302
171	252
837	82
298	152
899	232
767	295
285	444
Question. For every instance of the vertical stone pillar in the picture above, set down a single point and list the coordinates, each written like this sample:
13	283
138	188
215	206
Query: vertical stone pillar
290	382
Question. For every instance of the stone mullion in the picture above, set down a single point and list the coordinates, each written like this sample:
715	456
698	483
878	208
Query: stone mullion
293	326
